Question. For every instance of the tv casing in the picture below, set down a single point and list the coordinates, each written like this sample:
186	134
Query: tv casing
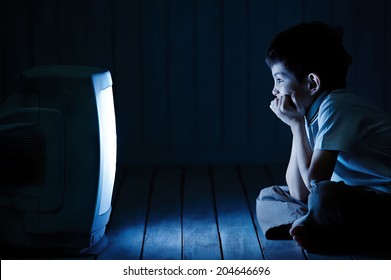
58	154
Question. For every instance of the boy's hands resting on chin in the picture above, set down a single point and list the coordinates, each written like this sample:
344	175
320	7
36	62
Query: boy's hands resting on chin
288	108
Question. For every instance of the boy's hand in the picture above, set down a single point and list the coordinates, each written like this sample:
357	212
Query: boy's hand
288	108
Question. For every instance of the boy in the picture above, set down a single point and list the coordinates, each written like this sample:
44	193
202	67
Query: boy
339	172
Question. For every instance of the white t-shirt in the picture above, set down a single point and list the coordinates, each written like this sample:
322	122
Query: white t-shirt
341	121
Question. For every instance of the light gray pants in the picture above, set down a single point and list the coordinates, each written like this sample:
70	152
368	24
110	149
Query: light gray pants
333	209
277	210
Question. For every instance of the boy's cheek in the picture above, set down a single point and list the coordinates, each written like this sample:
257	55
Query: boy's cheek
297	96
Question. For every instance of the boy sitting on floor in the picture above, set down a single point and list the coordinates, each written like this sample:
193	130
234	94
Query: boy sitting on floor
339	171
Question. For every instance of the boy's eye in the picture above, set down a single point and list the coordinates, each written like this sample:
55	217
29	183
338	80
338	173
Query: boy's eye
279	81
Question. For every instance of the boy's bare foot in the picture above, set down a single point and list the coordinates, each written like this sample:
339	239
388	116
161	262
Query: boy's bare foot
299	234
310	237
306	236
313	241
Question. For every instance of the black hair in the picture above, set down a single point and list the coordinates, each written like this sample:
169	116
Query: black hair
312	47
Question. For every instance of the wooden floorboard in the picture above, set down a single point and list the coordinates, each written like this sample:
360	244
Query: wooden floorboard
238	235
163	237
200	233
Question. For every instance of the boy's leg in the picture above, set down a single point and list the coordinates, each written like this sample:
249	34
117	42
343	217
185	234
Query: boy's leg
277	210
342	216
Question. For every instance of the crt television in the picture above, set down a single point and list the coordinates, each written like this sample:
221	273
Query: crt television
58	151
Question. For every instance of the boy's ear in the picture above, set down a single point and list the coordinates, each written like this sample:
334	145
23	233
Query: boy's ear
314	83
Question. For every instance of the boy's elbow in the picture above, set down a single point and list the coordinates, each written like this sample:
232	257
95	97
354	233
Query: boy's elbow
314	176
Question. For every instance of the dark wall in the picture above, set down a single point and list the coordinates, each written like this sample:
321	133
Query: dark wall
189	79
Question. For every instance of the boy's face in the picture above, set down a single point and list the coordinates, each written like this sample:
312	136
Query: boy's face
285	83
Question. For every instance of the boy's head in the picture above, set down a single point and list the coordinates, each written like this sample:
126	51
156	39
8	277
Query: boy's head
312	48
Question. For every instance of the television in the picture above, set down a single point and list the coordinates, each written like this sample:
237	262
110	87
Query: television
58	151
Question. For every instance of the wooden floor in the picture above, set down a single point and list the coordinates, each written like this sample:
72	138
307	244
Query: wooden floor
197	212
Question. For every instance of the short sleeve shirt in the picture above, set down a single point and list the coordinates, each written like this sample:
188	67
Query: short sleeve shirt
360	132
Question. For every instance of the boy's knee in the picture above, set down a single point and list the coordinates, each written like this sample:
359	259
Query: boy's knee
265	193
272	193
326	194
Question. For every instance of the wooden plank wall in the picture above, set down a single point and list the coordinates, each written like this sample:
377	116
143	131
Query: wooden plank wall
189	77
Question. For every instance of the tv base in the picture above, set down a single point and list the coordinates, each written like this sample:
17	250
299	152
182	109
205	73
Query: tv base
97	247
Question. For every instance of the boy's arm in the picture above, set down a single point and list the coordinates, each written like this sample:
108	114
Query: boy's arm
295	183
312	165
305	163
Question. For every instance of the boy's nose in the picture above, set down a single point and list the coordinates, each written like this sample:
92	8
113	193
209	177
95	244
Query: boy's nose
275	92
